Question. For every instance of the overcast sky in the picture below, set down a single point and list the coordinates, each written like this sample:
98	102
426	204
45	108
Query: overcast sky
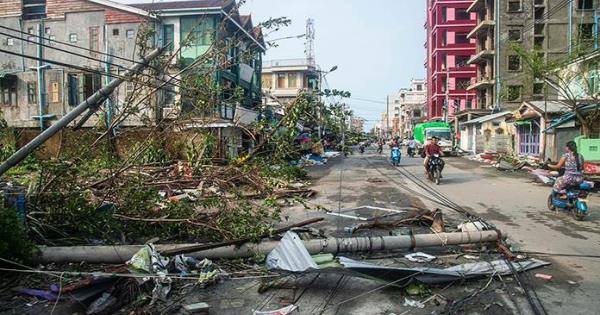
376	44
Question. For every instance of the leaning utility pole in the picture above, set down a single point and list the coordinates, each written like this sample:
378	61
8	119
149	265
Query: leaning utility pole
91	101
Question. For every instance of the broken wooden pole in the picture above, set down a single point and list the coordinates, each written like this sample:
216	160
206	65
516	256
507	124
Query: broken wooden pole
122	253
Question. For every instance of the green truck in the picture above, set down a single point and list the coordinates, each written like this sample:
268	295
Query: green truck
442	130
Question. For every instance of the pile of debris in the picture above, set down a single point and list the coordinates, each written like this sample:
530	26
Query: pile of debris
506	162
157	277
174	200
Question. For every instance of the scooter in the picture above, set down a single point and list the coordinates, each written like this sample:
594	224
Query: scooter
361	148
573	199
396	155
434	168
411	152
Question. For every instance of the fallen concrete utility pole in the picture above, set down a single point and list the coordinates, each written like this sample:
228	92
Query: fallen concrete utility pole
91	101
122	253
238	242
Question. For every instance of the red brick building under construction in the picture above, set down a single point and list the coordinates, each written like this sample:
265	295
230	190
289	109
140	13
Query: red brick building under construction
448	50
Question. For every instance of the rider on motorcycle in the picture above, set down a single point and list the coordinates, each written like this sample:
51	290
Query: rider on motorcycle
361	147
431	149
412	146
573	164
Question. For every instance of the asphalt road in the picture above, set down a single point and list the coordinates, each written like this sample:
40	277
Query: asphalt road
510	201
518	208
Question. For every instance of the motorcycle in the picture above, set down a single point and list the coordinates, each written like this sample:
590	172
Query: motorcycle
434	168
573	199
396	155
411	152
361	148
380	149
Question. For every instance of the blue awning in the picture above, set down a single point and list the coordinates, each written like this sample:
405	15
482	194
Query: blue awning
568	117
584	109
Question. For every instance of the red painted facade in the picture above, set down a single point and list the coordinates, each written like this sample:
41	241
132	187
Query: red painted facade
448	50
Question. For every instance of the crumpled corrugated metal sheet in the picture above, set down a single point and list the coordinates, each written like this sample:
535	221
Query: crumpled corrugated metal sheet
290	255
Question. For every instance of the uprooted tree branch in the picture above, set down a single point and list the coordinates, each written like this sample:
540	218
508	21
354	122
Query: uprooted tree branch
168	183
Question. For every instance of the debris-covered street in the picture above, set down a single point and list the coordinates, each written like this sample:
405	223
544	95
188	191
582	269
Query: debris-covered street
370	180
363	196
269	157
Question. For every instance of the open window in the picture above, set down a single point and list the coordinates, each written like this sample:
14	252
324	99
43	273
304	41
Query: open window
585	4
514	35
82	86
461	38
514	63
586	31
514	93
169	36
462	15
32	92
73	84
514	6
34	9
8	90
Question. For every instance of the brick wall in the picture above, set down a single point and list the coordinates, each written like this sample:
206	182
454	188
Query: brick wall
58	8
10	7
116	16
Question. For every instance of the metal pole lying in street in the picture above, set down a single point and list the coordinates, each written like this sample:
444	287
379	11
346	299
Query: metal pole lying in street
120	254
95	98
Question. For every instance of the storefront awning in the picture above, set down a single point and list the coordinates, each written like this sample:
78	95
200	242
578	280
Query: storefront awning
522	122
566	118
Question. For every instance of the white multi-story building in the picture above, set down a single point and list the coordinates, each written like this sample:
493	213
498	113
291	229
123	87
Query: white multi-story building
406	108
283	80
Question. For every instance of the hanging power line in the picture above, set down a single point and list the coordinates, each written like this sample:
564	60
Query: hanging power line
367	100
84	69
87	57
66	44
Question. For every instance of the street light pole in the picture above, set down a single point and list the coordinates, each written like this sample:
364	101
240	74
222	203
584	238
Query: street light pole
387	116
447	99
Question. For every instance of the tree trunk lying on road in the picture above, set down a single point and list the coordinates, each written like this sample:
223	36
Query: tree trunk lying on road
120	254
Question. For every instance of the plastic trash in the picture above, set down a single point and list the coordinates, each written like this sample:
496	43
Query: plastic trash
282	311
419	257
543	276
42	294
101	304
413	303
